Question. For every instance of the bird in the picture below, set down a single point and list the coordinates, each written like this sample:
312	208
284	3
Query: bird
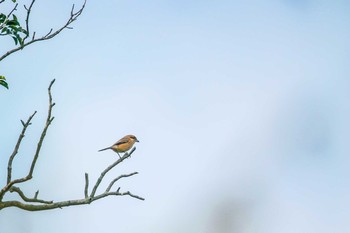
122	145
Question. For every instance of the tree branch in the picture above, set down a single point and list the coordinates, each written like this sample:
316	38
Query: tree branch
50	35
18	144
55	205
27	203
49	119
29	10
118	178
126	155
24	198
86	185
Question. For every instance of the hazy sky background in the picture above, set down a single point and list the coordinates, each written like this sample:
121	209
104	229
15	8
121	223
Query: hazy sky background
241	108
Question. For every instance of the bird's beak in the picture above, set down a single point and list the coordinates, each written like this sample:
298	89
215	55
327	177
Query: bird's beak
137	140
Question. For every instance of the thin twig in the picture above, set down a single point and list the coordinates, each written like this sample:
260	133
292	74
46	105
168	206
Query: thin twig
86	185
18	144
49	119
14	9
14	153
29	10
24	198
8	15
36	194
117	193
118	178
132	195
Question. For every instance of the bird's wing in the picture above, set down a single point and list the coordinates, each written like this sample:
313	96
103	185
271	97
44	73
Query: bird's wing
121	141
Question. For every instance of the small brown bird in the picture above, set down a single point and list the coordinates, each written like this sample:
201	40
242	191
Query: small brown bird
123	145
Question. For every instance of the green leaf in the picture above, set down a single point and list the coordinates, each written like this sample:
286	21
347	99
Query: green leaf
12	22
15	39
19	39
14	28
3	82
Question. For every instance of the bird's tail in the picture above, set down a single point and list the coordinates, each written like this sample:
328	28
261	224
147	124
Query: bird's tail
105	149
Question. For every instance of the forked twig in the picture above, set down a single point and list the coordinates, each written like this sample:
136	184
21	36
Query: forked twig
126	155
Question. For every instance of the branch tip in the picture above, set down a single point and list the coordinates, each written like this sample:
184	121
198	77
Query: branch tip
51	83
86	189
36	194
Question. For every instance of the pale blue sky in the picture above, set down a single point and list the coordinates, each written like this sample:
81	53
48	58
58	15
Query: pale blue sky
241	108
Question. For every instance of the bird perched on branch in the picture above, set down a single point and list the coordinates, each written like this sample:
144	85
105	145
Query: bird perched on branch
123	145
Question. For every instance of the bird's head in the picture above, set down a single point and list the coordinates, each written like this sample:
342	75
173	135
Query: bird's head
133	138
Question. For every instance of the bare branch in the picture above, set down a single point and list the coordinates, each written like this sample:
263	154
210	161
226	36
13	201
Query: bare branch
86	185
132	195
14	9
126	155
50	35
49	119
118	178
47	34
15	151
29	10
24	198
36	194
117	193
55	205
